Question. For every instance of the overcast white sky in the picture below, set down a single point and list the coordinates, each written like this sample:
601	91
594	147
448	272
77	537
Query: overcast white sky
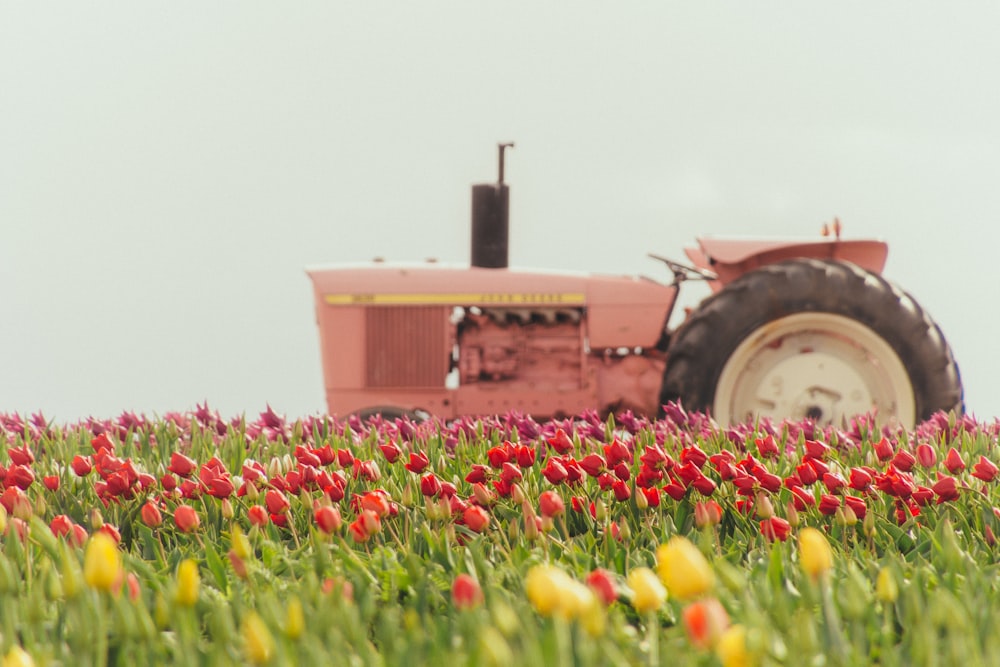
167	170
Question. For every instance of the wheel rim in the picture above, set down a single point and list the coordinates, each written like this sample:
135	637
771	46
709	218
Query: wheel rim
816	366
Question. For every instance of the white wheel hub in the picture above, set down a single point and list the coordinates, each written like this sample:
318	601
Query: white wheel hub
817	366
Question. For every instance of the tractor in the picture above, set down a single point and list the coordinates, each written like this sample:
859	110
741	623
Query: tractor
799	329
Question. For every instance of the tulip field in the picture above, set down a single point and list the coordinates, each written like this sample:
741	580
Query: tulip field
192	539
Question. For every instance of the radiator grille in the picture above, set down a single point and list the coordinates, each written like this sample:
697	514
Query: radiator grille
406	347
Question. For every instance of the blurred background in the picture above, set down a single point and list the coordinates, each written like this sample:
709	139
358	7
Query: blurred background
168	170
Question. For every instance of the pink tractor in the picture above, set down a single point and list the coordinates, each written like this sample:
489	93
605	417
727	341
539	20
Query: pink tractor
797	329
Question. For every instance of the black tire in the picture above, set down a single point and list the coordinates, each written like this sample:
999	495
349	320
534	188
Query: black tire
388	413
814	291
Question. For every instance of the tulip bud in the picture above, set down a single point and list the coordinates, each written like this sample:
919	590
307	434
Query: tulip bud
600	511
227	509
406	497
764	508
253	493
96	519
624	532
517	494
792	514
40	507
3	519
530	527
548	524
641	502
868	524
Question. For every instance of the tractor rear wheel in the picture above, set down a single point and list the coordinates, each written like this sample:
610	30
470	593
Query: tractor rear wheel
812	339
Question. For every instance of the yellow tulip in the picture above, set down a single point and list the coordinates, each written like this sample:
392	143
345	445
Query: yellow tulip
296	622
815	555
683	569
732	648
886	588
648	594
545	586
18	657
188	583
257	639
101	562
239	542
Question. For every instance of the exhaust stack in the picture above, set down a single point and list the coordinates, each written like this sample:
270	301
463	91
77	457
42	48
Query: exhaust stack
491	220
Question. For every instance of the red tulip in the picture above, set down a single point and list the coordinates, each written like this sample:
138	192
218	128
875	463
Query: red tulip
593	464
257	516
621	490
21	456
102	441
561	442
81	465
926	456
478	474
807	474
694	454
802	499
704	485
857	506
775	528
834	482
816	449
390	451
828	504
602	583
922	495
616	452
524	455
418	462
883	449
276	502
186	518
860	479
51	482
430	485
510	473
345	458
953	461
767	446
903	460
19	476
985	469
550	504
181	465
945	489
466	592
476	518
554	472
652	495
151	515
327	519
61	525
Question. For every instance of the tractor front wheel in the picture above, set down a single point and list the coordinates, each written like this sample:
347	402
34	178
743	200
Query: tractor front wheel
812	339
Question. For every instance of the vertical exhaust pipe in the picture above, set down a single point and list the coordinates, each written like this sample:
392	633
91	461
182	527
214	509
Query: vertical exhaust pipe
491	220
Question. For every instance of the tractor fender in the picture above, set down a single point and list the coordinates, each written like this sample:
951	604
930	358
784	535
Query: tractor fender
731	258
